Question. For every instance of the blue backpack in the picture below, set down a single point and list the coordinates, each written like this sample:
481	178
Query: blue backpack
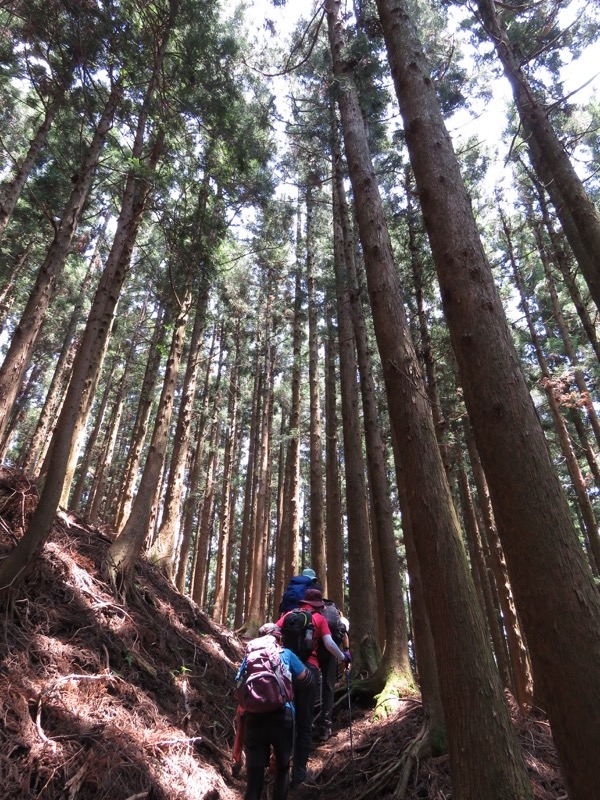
295	590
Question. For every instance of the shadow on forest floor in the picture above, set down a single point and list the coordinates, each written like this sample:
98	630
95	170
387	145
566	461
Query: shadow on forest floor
108	701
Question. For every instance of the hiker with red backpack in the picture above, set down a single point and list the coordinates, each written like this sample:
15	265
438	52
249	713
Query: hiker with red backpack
302	629
265	686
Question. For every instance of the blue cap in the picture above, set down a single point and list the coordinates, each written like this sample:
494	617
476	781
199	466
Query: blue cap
309	573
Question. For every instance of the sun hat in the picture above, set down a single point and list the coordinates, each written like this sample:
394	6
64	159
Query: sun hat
314	598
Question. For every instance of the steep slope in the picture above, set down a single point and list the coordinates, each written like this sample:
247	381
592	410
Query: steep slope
105	701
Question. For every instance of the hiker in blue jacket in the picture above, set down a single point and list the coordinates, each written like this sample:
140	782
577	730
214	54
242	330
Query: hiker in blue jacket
273	729
296	589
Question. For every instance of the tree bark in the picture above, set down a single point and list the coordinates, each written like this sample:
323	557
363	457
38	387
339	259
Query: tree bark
128	546
493	767
574	208
317	526
26	334
554	591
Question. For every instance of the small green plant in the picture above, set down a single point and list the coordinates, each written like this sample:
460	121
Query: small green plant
181	672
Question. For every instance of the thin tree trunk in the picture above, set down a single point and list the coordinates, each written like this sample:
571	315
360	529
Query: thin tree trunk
481	577
219	612
140	426
201	558
574	208
163	551
26	334
192	499
244	571
334	534
517	648
317	527
129	544
256	605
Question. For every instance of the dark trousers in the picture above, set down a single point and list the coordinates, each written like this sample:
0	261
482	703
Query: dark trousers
328	664
305	698
261	733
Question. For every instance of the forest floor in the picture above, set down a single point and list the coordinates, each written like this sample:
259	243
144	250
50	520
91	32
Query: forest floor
107	701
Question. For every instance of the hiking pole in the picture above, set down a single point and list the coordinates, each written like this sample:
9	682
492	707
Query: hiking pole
347	672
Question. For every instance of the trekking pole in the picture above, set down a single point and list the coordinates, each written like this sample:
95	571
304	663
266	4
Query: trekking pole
347	672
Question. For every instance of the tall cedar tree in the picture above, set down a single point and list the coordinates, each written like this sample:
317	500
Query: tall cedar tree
493	767
554	591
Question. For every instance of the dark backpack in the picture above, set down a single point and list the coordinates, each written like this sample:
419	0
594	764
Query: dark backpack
297	633
334	619
263	681
295	590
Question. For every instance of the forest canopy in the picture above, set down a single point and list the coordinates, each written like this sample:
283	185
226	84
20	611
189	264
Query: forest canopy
319	287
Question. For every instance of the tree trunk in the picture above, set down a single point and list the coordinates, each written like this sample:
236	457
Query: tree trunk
128	546
395	671
163	551
574	208
244	571
25	336
317	528
219	612
361	576
555	594
201	555
485	757
192	499
334	534
256	600
140	426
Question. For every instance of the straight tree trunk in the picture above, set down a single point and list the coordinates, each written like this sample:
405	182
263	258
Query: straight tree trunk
574	208
26	334
203	536
481	578
163	551
129	544
517	647
317	525
193	496
485	756
334	534
395	671
554	591
256	600
361	575
244	568
219	612
140	426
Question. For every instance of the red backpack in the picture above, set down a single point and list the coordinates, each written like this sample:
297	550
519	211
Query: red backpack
263	682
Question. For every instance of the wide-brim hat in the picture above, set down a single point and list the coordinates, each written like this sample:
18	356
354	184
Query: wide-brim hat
314	598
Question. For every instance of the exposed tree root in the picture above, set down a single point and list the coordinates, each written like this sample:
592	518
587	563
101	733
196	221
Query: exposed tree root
406	765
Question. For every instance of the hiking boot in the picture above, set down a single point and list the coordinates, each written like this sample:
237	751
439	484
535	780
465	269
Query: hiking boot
298	777
325	733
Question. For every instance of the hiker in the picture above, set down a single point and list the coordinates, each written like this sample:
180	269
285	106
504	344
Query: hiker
302	630
262	730
338	625
296	588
